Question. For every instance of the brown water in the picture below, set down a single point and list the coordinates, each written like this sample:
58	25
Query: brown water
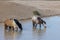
52	32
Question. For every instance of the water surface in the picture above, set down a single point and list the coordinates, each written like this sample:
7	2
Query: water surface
52	32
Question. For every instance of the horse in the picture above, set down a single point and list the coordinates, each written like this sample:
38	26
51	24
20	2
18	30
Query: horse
37	20
12	25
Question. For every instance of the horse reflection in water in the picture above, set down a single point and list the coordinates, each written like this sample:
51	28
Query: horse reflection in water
39	30
37	20
38	33
12	24
9	35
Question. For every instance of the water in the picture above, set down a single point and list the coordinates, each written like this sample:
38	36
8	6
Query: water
52	32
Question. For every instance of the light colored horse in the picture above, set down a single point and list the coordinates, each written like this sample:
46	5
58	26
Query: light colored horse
37	20
10	23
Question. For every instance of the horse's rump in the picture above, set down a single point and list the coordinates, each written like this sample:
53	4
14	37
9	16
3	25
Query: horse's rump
9	22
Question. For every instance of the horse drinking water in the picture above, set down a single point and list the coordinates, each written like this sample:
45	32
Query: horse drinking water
12	24
37	20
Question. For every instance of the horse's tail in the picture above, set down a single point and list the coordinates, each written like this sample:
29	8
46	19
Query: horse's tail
19	24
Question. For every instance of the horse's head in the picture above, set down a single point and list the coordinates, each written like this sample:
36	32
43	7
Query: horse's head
44	24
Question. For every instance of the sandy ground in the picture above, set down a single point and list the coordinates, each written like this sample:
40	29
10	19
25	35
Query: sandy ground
24	9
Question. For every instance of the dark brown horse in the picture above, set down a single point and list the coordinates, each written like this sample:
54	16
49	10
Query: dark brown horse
37	20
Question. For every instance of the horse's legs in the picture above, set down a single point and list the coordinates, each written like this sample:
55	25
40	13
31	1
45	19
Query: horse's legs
6	26
9	28
16	28
40	25
33	24
12	28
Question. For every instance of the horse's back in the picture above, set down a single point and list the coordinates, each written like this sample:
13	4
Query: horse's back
36	19
9	22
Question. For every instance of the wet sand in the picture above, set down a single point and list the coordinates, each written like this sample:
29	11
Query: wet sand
50	33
